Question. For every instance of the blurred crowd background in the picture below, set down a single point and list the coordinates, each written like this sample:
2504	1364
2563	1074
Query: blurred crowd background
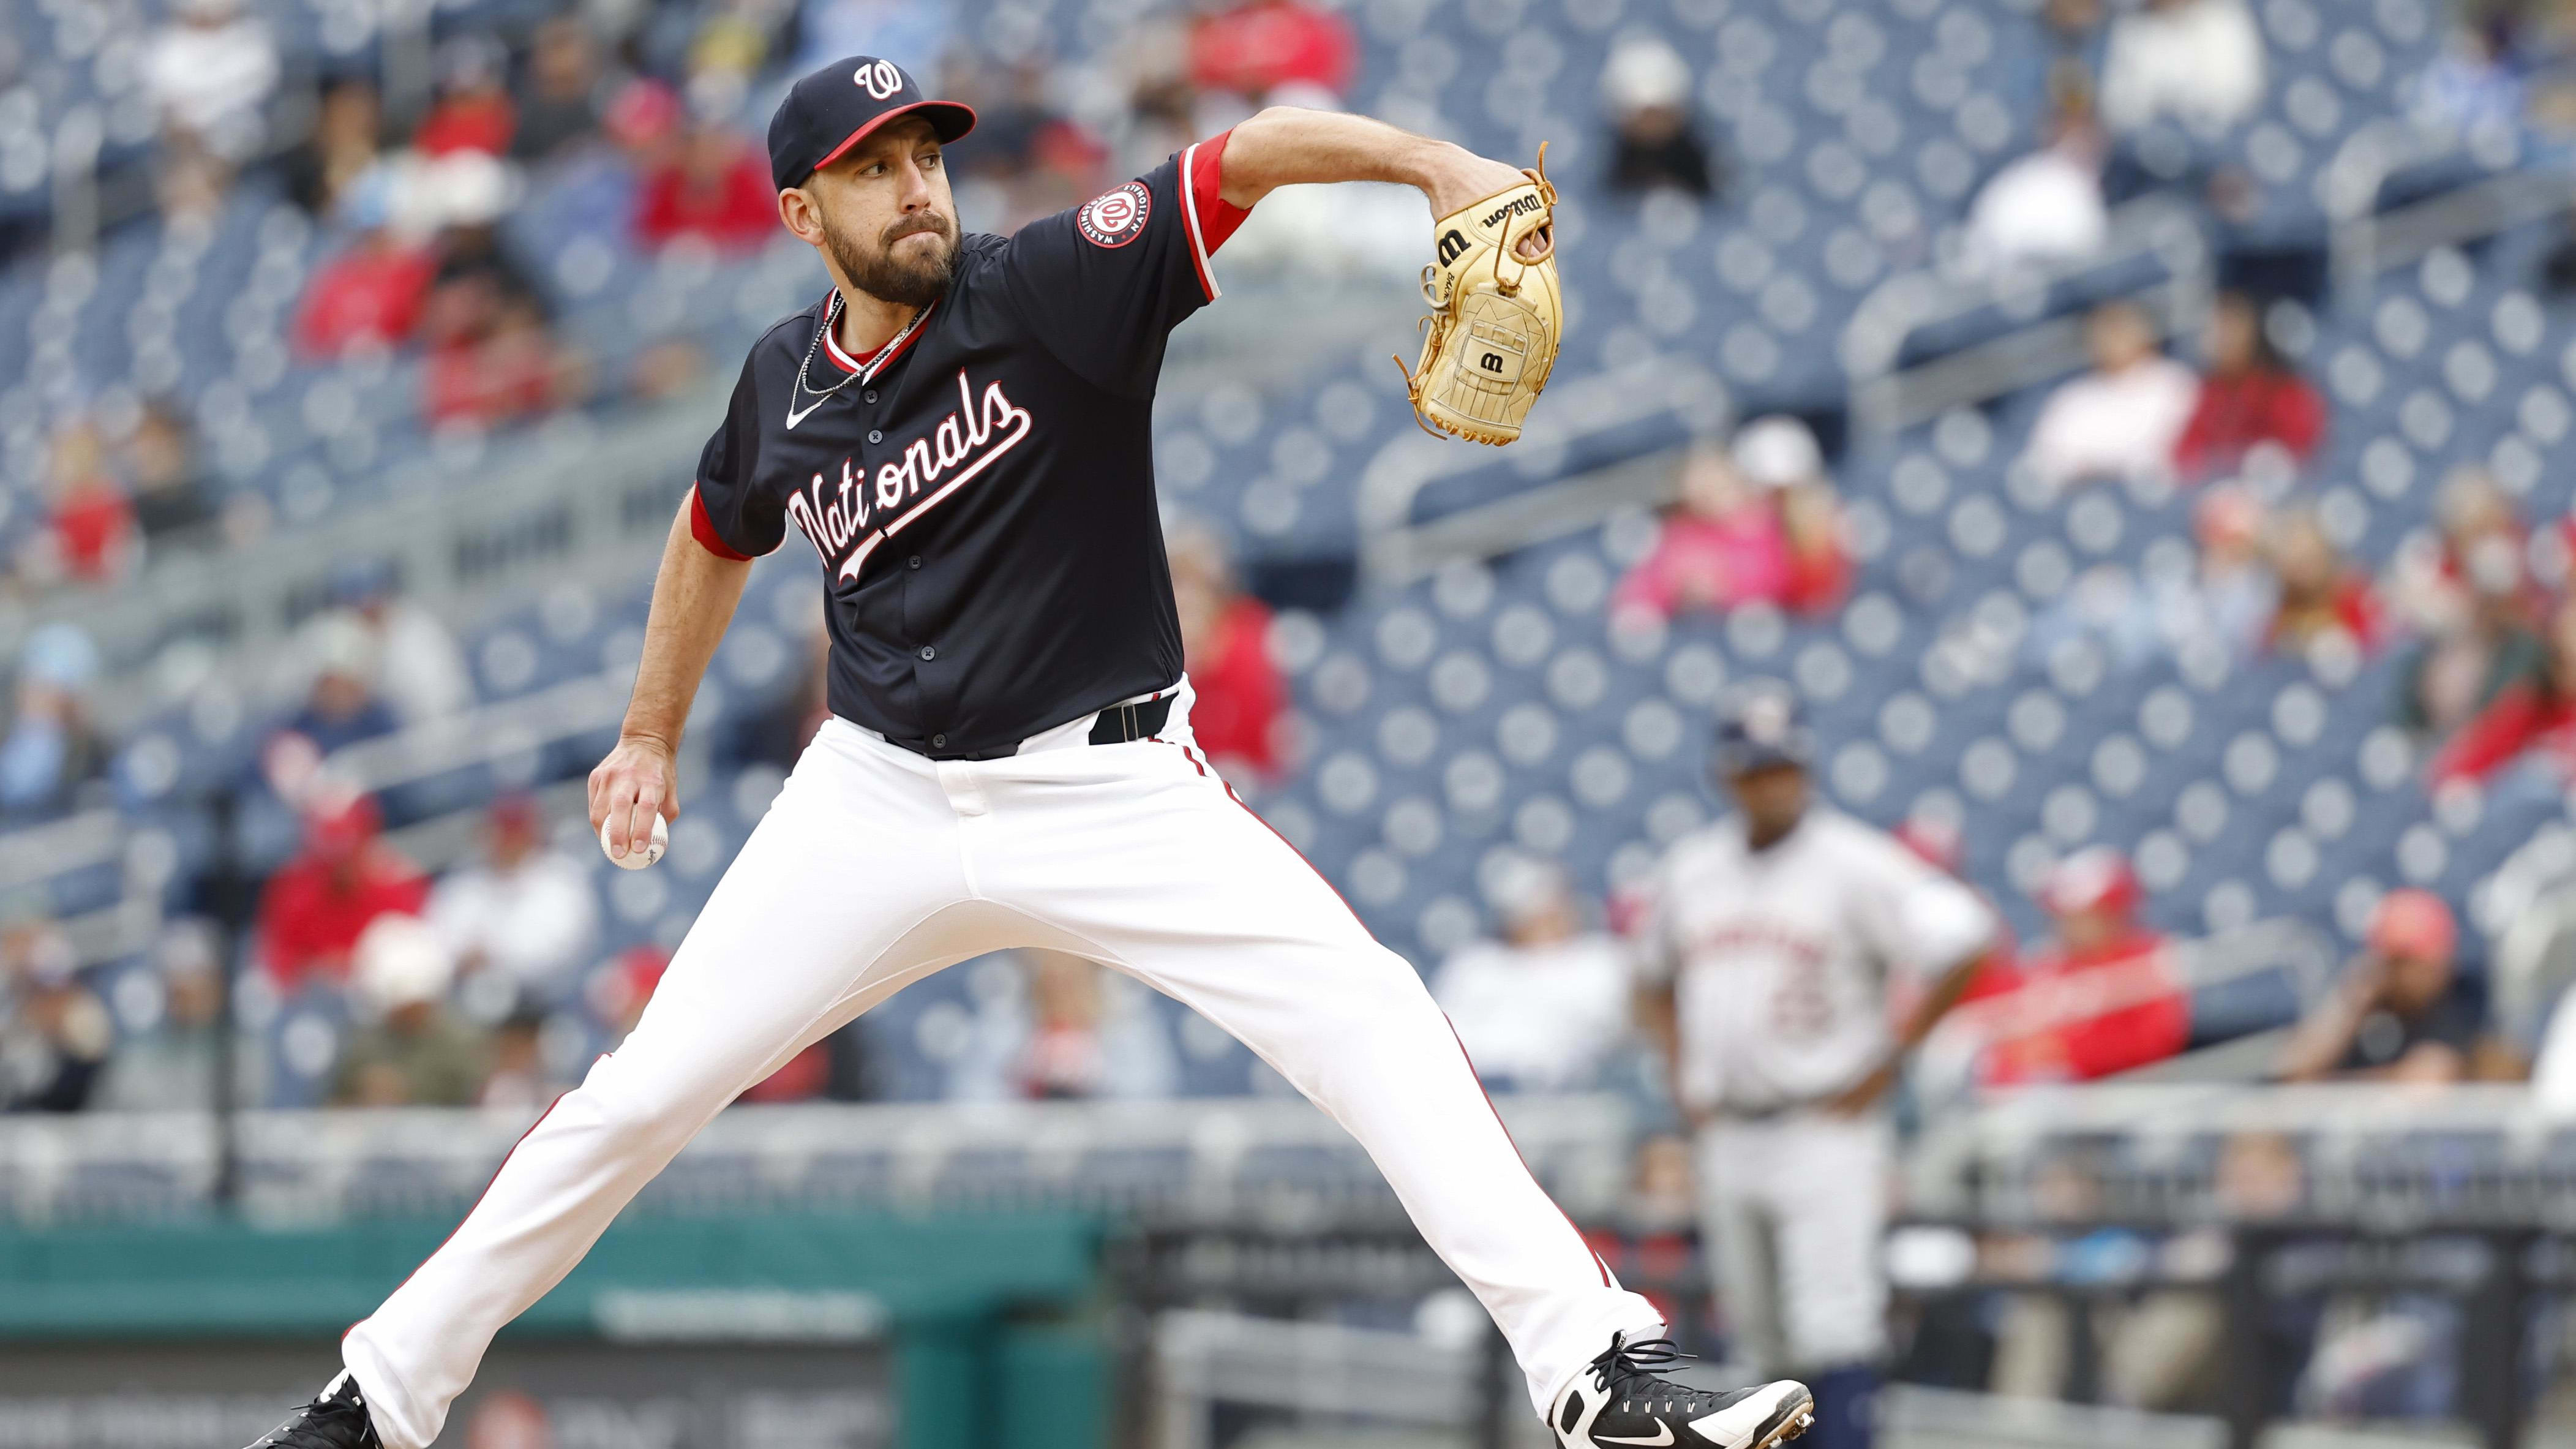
2135	429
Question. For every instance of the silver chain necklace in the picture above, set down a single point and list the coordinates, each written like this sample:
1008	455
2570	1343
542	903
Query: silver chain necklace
831	319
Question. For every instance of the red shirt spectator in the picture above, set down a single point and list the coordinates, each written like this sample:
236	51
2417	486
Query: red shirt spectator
371	292
1256	48
91	524
93	531
1819	566
715	187
474	116
2103	997
2234	414
318	903
1239	693
2250	397
1225	639
508	374
2526	715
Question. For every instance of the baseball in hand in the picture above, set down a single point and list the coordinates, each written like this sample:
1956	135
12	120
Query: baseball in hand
638	854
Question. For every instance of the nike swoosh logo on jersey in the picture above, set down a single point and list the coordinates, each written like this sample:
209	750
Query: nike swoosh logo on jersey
1665	1430
794	417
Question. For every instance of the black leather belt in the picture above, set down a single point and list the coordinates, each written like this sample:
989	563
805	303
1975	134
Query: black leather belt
1123	722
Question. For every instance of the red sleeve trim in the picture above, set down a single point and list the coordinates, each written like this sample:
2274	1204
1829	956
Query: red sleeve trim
703	529
1217	218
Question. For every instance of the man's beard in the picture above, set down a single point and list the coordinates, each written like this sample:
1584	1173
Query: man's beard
913	283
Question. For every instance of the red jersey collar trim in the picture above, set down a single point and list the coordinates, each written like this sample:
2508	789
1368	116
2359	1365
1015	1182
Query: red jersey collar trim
843	360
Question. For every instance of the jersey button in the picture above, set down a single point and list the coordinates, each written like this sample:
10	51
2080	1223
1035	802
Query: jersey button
868	396
928	653
875	436
913	562
939	742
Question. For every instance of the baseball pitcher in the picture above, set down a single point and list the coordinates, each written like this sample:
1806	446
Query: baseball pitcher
1771	944
960	426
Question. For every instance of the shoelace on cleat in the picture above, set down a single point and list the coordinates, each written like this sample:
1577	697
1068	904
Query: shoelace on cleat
306	1431
1628	1371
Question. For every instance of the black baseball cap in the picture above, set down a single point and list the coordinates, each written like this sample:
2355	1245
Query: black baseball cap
835	108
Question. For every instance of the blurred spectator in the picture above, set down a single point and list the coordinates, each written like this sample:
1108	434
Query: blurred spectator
2400	1011
89	530
2249	398
2224	599
511	369
341	707
473	110
1757	523
2120	419
1035	160
1076	1048
1225	638
1053	1025
2461	670
731	45
53	746
2533	713
170	494
519	1080
2474	82
54	1035
2103	995
412	1052
525	918
2198	62
169	1064
714	186
663	370
913	34
508	1419
1654	129
2324	601
1275	52
418	667
493	356
315	906
209	70
2232	590
643	119
1651	1241
2045	207
189	184
1543	1008
2477	534
1780	454
347	138
1162	104
619	990
559	105
373	291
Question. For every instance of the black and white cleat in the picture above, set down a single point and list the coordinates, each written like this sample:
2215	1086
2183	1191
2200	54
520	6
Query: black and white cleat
1621	1401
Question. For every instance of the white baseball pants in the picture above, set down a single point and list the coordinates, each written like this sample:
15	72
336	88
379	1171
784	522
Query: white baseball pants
1793	1210
876	867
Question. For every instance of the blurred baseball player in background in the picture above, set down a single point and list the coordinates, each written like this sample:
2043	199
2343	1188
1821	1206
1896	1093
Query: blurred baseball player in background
1773	942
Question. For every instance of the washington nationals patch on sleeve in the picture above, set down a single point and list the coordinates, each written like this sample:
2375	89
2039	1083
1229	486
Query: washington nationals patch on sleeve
1115	218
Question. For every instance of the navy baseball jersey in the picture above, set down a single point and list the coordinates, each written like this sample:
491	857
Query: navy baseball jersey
981	489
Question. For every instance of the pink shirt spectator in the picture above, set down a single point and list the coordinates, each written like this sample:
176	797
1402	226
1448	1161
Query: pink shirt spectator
1711	563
